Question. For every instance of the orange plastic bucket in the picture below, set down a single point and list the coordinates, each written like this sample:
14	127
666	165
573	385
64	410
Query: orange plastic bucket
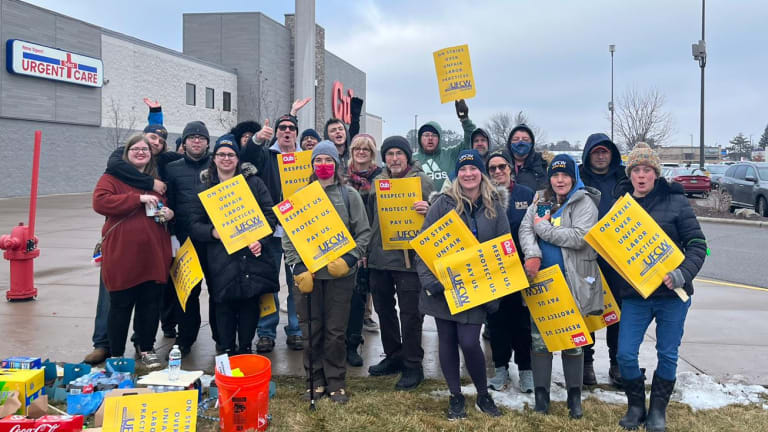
244	401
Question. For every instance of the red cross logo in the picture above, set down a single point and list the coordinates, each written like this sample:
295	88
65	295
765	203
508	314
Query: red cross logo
69	65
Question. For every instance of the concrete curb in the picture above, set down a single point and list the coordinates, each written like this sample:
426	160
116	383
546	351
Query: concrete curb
759	224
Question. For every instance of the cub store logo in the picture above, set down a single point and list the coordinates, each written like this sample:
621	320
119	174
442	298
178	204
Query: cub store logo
289	158
285	207
579	339
508	246
610	318
385	185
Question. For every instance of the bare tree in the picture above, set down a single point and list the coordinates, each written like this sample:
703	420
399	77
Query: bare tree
640	116
268	106
121	123
501	124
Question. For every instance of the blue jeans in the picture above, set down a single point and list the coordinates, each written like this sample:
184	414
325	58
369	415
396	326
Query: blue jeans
636	316
268	324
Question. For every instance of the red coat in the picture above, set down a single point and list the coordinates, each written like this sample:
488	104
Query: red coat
139	249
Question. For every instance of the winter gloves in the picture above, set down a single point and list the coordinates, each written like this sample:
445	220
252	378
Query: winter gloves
678	281
303	279
340	266
355	107
461	109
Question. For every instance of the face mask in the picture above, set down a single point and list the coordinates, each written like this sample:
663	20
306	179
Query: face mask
325	171
521	148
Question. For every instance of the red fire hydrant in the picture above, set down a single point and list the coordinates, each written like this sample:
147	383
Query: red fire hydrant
21	245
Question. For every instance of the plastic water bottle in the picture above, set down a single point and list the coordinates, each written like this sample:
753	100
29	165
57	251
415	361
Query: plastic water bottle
174	363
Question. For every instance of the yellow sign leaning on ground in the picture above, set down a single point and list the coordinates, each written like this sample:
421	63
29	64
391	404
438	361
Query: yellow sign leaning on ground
554	311
295	169
398	221
454	73
481	274
314	227
267	304
611	313
635	245
449	234
151	411
186	272
234	213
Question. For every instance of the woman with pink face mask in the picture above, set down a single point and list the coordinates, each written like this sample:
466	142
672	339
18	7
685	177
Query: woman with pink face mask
331	287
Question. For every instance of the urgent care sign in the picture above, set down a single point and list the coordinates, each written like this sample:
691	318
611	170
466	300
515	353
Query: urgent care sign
26	58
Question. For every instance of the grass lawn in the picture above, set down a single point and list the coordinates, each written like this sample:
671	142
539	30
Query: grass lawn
375	406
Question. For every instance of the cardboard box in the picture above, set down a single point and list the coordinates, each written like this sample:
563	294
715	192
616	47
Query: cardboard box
28	382
22	363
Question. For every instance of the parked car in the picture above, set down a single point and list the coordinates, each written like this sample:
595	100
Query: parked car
747	183
715	172
693	180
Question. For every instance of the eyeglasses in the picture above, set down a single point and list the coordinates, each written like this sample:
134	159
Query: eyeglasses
291	128
139	149
225	155
361	150
429	135
394	153
493	168
197	138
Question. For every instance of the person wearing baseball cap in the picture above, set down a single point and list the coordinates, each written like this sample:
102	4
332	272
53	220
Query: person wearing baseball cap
601	169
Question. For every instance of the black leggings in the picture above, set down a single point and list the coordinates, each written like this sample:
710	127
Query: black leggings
452	335
146	299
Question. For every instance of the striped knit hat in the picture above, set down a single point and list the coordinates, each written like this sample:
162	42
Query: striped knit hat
642	154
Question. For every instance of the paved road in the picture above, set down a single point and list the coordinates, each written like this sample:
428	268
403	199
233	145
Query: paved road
738	254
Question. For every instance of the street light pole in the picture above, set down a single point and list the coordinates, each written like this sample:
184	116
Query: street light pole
415	132
612	49
700	55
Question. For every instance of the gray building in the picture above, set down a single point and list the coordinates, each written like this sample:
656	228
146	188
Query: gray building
239	68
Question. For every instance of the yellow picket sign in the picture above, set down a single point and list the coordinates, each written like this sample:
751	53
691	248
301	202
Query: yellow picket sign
398	221
235	213
554	311
611	312
635	245
267	304
294	169
315	228
449	234
454	73
151	412
481	274
186	272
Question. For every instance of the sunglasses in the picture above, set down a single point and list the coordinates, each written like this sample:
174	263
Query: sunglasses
287	127
493	168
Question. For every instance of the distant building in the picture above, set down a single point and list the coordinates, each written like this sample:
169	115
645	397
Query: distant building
687	154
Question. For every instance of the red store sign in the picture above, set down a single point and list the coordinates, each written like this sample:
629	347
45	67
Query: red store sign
340	102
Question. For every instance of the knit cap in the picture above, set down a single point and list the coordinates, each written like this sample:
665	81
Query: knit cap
327	148
396	142
643	154
470	157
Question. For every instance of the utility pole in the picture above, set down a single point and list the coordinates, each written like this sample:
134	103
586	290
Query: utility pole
700	55
611	49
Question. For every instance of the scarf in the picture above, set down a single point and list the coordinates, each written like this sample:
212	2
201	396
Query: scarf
361	180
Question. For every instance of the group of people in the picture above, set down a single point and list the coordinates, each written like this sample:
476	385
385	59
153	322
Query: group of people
494	192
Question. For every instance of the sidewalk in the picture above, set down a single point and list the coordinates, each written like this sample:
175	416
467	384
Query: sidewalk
726	331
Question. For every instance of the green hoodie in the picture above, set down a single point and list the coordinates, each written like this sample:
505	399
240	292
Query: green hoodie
438	164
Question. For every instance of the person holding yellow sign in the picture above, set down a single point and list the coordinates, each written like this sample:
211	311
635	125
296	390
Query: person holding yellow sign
481	208
552	233
667	205
390	276
330	288
235	281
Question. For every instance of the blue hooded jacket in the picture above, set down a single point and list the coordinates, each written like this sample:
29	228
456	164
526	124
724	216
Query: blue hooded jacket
605	183
551	254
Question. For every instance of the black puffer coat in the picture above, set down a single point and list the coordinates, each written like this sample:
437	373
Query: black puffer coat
533	173
183	180
240	275
669	207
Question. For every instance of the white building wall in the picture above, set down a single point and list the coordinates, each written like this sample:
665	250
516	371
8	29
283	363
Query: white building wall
135	71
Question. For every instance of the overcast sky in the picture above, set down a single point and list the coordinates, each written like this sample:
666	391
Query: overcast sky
547	58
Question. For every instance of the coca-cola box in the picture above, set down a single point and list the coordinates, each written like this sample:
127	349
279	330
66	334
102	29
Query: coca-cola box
17	423
28	382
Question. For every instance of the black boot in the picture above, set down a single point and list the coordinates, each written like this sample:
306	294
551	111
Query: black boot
589	375
574	403
388	366
410	378
661	390
635	416
353	357
542	400
574	371
615	375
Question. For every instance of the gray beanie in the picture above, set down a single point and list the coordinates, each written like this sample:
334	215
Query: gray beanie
327	148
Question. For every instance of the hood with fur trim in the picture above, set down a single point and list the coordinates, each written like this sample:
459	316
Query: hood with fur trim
246	169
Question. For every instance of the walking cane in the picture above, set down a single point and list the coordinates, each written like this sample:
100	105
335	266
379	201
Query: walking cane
312	406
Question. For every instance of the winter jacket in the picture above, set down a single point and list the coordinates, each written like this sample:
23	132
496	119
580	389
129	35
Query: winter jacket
605	183
381	259
580	260
442	161
470	131
264	158
436	305
354	218
183	180
354	128
123	170
364	194
533	172
669	207
240	275
138	249
519	198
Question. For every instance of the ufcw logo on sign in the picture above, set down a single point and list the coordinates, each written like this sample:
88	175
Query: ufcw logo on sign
657	255
460	296
333	243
